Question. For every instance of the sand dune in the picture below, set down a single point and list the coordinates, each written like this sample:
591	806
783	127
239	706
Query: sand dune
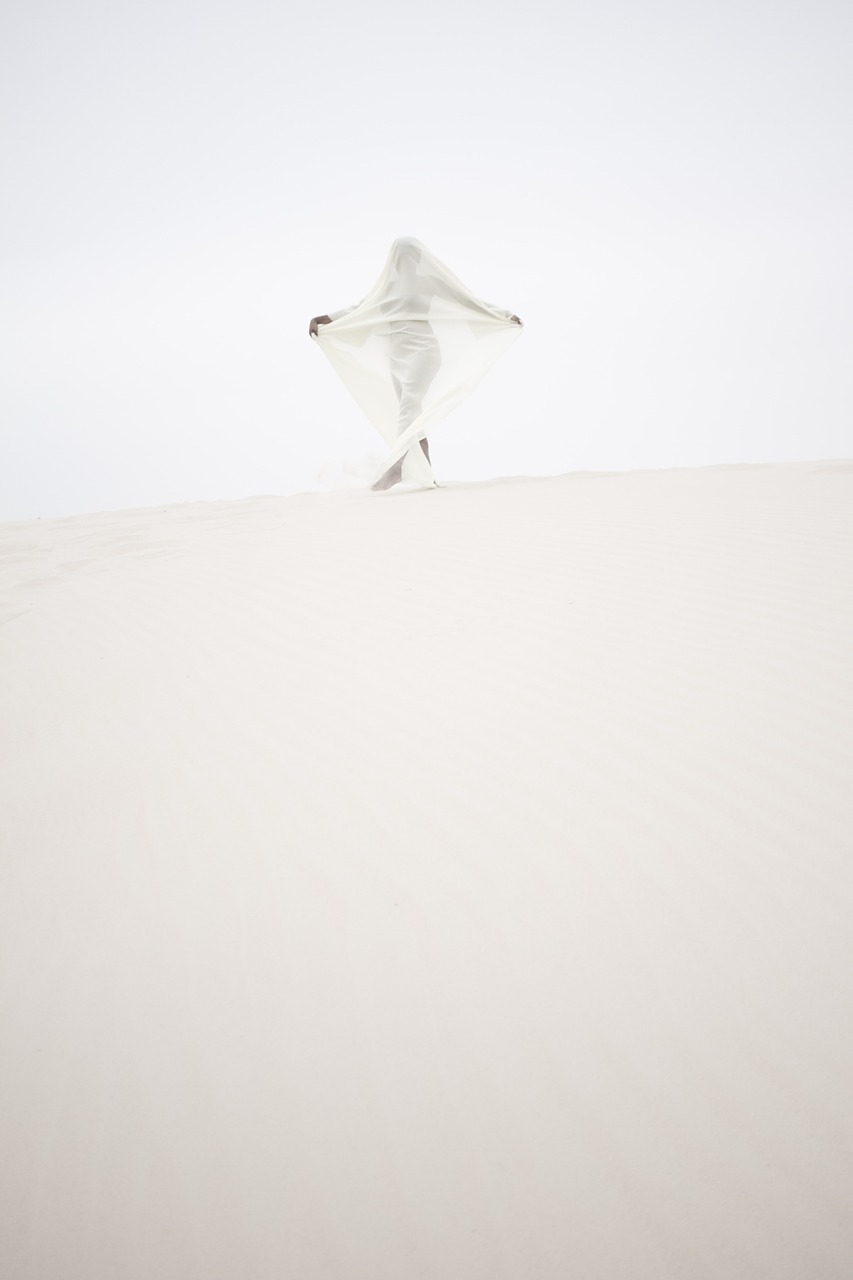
454	884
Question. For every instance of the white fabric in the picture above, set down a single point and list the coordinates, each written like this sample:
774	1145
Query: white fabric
414	348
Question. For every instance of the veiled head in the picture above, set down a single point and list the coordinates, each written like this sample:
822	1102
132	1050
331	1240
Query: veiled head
405	255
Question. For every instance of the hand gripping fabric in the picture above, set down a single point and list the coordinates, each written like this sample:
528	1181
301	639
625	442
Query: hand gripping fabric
413	349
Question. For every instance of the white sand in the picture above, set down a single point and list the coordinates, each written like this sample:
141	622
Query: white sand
454	884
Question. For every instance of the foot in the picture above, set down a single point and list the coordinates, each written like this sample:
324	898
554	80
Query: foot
393	476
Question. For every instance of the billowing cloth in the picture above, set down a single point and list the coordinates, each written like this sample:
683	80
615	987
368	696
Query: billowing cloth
413	349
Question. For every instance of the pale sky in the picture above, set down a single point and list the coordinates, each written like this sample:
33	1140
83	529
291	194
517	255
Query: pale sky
662	191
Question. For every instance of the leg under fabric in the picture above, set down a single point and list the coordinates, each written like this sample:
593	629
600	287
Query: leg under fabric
415	360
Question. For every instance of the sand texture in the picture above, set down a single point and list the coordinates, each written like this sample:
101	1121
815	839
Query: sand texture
454	884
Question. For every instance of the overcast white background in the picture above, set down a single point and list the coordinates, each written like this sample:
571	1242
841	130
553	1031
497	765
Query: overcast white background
663	191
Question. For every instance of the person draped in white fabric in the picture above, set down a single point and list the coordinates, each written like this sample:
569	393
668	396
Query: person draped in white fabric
417	321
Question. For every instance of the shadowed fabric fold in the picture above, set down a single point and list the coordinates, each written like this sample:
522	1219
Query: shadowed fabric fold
413	349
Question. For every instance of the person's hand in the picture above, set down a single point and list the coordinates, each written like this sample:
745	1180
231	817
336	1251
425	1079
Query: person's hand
315	323
515	320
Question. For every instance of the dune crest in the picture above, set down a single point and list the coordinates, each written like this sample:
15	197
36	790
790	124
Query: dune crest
453	883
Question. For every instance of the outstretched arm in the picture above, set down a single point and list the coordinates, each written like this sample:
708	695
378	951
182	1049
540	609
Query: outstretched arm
444	289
